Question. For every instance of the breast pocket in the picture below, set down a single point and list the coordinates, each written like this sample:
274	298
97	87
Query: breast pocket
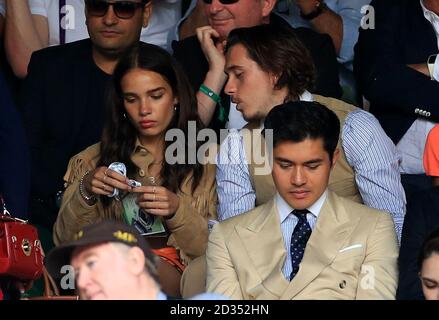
349	262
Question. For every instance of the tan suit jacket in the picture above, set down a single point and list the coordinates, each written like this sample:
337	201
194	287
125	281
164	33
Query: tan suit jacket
351	254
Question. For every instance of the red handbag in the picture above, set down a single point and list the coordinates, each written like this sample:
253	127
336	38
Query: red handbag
21	255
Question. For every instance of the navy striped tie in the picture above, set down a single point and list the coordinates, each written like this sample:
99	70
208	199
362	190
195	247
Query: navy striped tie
300	237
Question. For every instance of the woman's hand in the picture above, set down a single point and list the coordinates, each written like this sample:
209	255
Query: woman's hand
103	181
158	201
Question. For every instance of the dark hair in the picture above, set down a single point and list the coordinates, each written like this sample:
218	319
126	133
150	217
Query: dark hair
277	49
430	246
299	120
119	135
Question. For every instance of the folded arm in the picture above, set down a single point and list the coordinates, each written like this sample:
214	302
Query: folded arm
235	191
375	161
221	274
379	272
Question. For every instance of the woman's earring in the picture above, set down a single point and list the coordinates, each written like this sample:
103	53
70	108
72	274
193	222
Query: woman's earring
124	115
175	107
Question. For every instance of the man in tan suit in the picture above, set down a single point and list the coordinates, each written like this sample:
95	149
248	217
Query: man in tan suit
268	65
306	242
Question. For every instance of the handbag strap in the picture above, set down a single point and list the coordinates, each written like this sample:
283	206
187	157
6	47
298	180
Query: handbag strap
4	211
51	291
6	215
50	287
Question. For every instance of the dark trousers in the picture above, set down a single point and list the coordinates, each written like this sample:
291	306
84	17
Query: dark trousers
413	183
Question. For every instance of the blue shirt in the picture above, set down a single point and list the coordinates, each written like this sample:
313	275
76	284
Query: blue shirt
348	10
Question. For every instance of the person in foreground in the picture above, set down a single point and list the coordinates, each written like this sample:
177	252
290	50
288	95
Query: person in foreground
306	242
111	261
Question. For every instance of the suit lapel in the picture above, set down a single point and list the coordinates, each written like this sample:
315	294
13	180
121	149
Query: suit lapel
264	244
331	232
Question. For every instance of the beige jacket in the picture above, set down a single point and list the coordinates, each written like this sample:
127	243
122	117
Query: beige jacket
188	228
351	254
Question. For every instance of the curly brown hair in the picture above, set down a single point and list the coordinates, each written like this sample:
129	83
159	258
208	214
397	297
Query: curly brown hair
278	50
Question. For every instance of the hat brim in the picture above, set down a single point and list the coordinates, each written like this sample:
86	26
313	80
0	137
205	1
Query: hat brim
61	256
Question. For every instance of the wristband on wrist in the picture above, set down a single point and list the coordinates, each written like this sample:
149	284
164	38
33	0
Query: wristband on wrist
216	98
210	93
82	189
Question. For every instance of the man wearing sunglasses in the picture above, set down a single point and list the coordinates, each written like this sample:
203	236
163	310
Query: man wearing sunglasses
36	24
203	58
64	95
113	30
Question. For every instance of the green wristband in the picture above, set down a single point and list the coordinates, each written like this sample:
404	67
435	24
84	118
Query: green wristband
216	98
210	93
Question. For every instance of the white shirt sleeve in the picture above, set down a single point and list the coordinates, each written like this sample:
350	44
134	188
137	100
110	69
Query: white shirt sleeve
39	7
375	161
235	191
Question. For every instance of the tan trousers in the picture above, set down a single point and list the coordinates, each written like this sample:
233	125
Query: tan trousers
193	280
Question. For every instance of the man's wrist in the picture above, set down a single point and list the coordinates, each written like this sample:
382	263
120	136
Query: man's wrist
216	76
210	93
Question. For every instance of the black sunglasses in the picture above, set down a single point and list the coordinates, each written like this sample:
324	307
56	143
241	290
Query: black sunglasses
222	1
122	9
